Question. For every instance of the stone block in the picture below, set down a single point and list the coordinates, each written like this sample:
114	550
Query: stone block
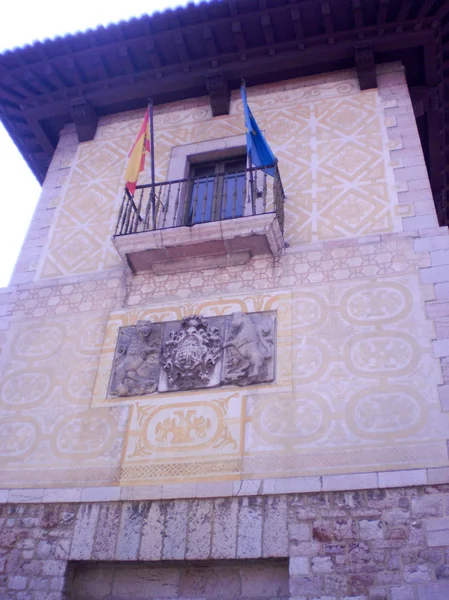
402	478
402	592
263	581
84	532
440	474
152	532
430	244
356	481
54	568
100	494
107	531
22	496
141	492
434	275
297	485
62	495
370	529
442	291
275	534
427	506
175	530
249	536
308	585
141	582
199	532
17	582
344	529
129	530
440	348
214	489
416	573
299	565
224	538
433	590
210	582
322	564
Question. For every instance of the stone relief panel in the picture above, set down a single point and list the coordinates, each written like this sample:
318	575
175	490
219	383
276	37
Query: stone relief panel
249	349
191	354
136	363
333	153
194	353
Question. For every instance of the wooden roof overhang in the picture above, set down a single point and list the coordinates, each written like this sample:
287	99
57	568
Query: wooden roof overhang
208	48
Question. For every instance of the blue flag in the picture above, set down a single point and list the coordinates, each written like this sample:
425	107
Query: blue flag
256	145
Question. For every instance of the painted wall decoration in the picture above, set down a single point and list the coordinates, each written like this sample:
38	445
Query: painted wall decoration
330	140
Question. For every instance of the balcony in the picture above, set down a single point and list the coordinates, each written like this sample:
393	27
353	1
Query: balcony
204	221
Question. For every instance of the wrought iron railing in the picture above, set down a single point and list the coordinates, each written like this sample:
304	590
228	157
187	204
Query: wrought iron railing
190	201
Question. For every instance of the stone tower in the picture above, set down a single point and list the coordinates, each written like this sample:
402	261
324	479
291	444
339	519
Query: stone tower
231	384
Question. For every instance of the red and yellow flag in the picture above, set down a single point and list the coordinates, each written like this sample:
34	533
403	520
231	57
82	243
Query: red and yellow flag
136	155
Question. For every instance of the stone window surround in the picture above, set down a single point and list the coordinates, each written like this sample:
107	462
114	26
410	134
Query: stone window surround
181	157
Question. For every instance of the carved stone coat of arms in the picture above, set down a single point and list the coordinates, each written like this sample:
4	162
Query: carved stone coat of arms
190	354
197	352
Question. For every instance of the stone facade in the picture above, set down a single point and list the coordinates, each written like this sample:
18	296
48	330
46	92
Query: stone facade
389	544
336	471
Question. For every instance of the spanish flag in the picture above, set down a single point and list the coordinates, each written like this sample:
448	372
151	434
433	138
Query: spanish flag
136	155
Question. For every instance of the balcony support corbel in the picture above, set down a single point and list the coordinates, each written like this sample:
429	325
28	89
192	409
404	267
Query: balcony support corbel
366	65
219	94
85	119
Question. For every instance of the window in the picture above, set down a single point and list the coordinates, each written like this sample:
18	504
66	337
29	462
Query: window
217	190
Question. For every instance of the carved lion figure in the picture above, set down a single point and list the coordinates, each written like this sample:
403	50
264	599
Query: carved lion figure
253	345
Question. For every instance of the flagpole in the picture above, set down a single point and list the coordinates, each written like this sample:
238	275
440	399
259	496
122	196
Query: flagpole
251	175
153	190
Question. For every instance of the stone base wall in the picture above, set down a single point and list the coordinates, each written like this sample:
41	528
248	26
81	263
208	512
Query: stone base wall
389	544
247	580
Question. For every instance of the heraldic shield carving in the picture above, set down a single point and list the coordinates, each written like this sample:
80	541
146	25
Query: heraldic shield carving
191	353
197	352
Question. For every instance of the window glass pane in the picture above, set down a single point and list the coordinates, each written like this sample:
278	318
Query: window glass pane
233	196
201	201
217	190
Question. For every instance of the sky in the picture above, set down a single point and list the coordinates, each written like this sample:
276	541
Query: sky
23	23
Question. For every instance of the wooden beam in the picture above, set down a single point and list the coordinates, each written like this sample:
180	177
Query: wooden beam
365	65
287	57
21	87
72	65
327	18
154	56
268	32
358	13
238	36
99	62
41	136
297	25
382	14
424	9
211	46
125	59
404	11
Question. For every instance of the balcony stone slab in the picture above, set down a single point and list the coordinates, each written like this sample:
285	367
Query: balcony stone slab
202	246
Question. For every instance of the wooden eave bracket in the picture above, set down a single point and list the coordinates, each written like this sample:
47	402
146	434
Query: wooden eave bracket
219	94
366	65
85	119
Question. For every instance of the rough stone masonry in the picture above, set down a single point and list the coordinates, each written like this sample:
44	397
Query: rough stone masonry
361	545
